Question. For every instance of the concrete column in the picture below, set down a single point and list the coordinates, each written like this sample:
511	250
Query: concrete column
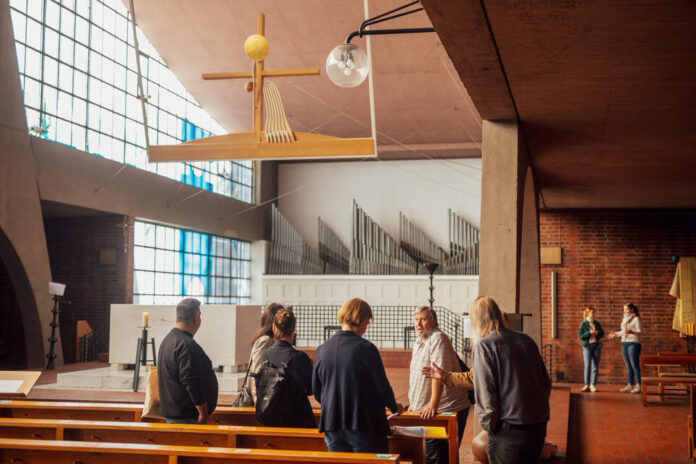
22	237
502	193
509	266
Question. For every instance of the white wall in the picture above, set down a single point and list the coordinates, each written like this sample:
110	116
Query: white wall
453	292
422	189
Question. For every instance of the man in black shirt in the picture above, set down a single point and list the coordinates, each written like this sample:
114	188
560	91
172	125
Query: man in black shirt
187	383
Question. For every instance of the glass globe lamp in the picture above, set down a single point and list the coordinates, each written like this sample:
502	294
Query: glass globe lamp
347	65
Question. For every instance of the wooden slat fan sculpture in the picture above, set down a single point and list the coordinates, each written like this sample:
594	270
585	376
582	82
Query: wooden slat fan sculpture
276	140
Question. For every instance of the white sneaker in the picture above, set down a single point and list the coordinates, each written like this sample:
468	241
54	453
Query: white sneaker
636	389
627	388
593	388
585	388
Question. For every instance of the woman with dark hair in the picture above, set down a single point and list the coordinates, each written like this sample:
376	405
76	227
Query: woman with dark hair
260	343
295	410
631	329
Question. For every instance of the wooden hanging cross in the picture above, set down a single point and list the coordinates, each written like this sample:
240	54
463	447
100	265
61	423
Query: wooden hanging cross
257	76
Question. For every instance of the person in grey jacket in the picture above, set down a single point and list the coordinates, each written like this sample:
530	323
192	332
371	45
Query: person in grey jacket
512	387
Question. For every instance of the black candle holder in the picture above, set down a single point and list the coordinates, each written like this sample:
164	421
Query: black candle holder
431	268
141	355
52	339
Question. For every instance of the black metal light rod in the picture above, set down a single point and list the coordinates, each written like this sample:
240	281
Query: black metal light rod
373	21
389	31
370	20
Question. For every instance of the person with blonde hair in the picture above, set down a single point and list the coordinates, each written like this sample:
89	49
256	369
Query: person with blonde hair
512	387
591	333
351	384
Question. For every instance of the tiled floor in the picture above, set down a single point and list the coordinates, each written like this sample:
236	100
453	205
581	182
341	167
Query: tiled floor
609	427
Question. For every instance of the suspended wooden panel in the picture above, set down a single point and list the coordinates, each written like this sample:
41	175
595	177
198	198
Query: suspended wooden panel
246	145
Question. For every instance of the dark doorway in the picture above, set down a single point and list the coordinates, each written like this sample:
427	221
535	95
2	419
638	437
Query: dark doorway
13	350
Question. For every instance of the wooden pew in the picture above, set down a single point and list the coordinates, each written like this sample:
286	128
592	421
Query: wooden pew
224	415
691	424
228	415
54	451
410	448
663	379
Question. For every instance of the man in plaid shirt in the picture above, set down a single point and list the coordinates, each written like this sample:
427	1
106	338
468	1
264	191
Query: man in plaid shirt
430	396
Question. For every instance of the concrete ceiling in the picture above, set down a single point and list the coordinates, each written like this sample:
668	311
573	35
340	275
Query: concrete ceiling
604	89
422	107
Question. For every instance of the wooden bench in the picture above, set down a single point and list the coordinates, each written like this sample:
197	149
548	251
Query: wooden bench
691	426
233	436
54	451
227	415
660	361
224	415
664	380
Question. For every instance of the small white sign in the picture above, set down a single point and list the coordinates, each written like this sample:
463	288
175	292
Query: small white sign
10	386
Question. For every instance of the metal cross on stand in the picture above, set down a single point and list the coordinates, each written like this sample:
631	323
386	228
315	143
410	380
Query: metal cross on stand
257	75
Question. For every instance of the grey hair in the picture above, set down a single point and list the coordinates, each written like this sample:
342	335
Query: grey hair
429	310
187	309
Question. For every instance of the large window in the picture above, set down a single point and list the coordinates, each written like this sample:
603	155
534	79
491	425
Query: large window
78	71
172	263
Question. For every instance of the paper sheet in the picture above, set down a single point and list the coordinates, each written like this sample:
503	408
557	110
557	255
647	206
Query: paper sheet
10	386
410	431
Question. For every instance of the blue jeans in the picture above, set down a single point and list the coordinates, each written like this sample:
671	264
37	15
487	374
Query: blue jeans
182	420
631	355
356	441
591	354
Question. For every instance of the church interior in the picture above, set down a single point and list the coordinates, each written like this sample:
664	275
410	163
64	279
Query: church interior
409	154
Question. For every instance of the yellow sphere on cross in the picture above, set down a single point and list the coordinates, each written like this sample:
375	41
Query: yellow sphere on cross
256	47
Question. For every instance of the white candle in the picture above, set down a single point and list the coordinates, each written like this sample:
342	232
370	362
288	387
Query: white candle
145	319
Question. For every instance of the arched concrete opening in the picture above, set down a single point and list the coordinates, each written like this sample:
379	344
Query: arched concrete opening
530	277
18	312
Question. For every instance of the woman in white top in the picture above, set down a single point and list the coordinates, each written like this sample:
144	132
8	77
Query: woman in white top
262	340
631	329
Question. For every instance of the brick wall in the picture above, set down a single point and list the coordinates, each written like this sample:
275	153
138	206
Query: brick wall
12	348
611	257
74	246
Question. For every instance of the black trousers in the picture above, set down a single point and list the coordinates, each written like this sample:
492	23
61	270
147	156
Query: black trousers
437	451
513	444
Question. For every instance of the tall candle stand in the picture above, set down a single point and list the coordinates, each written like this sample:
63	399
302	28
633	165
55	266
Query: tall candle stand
141	355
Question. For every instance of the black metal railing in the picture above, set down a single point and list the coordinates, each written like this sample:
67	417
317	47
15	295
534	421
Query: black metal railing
392	325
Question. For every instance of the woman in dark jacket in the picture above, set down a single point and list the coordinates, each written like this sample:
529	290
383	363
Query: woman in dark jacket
350	383
590	334
295	410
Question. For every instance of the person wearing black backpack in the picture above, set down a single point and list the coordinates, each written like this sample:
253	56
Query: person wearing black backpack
284	380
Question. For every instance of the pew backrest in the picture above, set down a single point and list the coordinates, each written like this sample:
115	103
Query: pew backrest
410	448
23	450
